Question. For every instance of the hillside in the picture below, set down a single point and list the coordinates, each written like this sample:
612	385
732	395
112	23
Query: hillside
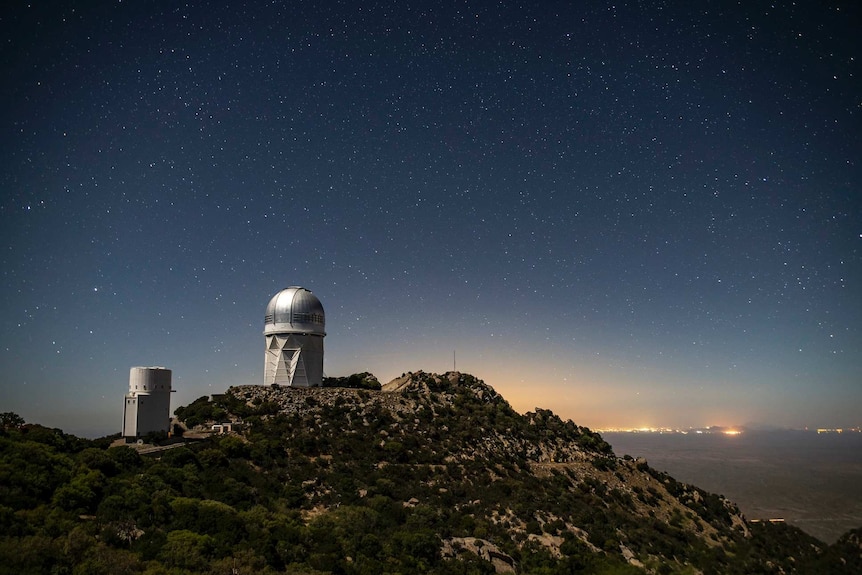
430	474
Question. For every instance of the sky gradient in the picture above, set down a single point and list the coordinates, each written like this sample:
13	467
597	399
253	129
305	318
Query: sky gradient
633	215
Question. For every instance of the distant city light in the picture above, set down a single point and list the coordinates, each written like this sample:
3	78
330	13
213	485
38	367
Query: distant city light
732	431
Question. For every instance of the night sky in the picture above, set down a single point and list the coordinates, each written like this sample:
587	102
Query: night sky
632	213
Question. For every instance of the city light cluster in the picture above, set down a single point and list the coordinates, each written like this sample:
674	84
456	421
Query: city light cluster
674	430
731	431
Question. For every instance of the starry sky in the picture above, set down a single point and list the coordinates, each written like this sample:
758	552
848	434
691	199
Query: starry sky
632	213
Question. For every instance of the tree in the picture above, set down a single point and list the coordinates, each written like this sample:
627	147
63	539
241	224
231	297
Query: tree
10	420
187	549
81	495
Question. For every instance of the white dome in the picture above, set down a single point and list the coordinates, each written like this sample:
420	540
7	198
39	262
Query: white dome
295	310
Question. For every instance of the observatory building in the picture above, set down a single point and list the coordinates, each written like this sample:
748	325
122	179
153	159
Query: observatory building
294	332
148	403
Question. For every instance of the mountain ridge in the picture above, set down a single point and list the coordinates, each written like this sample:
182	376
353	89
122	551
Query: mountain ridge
559	448
430	473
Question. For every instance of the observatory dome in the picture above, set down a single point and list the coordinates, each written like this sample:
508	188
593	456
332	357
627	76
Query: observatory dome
294	310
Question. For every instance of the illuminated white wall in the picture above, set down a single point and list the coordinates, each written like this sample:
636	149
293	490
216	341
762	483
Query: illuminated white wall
294	360
148	404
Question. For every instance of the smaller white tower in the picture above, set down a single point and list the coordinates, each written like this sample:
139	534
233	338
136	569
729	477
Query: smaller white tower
148	403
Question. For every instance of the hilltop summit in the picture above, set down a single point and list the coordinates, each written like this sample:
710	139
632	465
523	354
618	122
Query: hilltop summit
496	484
426	474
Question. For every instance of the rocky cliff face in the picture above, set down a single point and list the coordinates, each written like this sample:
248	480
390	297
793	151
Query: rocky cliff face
494	484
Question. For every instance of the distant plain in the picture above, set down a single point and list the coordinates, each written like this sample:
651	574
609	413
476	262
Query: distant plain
811	481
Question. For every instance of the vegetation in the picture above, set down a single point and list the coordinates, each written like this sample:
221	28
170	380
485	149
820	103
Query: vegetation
362	380
442	476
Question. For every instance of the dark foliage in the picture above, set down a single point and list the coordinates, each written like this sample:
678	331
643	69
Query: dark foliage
358	481
362	380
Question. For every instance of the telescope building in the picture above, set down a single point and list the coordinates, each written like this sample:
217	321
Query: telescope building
294	331
148	403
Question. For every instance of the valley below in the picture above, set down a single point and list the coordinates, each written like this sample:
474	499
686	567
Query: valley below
812	481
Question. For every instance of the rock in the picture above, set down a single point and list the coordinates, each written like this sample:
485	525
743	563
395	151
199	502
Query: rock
486	550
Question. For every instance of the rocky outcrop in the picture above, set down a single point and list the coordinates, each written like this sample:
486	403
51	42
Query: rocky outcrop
483	549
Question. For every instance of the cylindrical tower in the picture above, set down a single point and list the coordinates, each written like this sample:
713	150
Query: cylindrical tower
294	331
148	403
149	380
